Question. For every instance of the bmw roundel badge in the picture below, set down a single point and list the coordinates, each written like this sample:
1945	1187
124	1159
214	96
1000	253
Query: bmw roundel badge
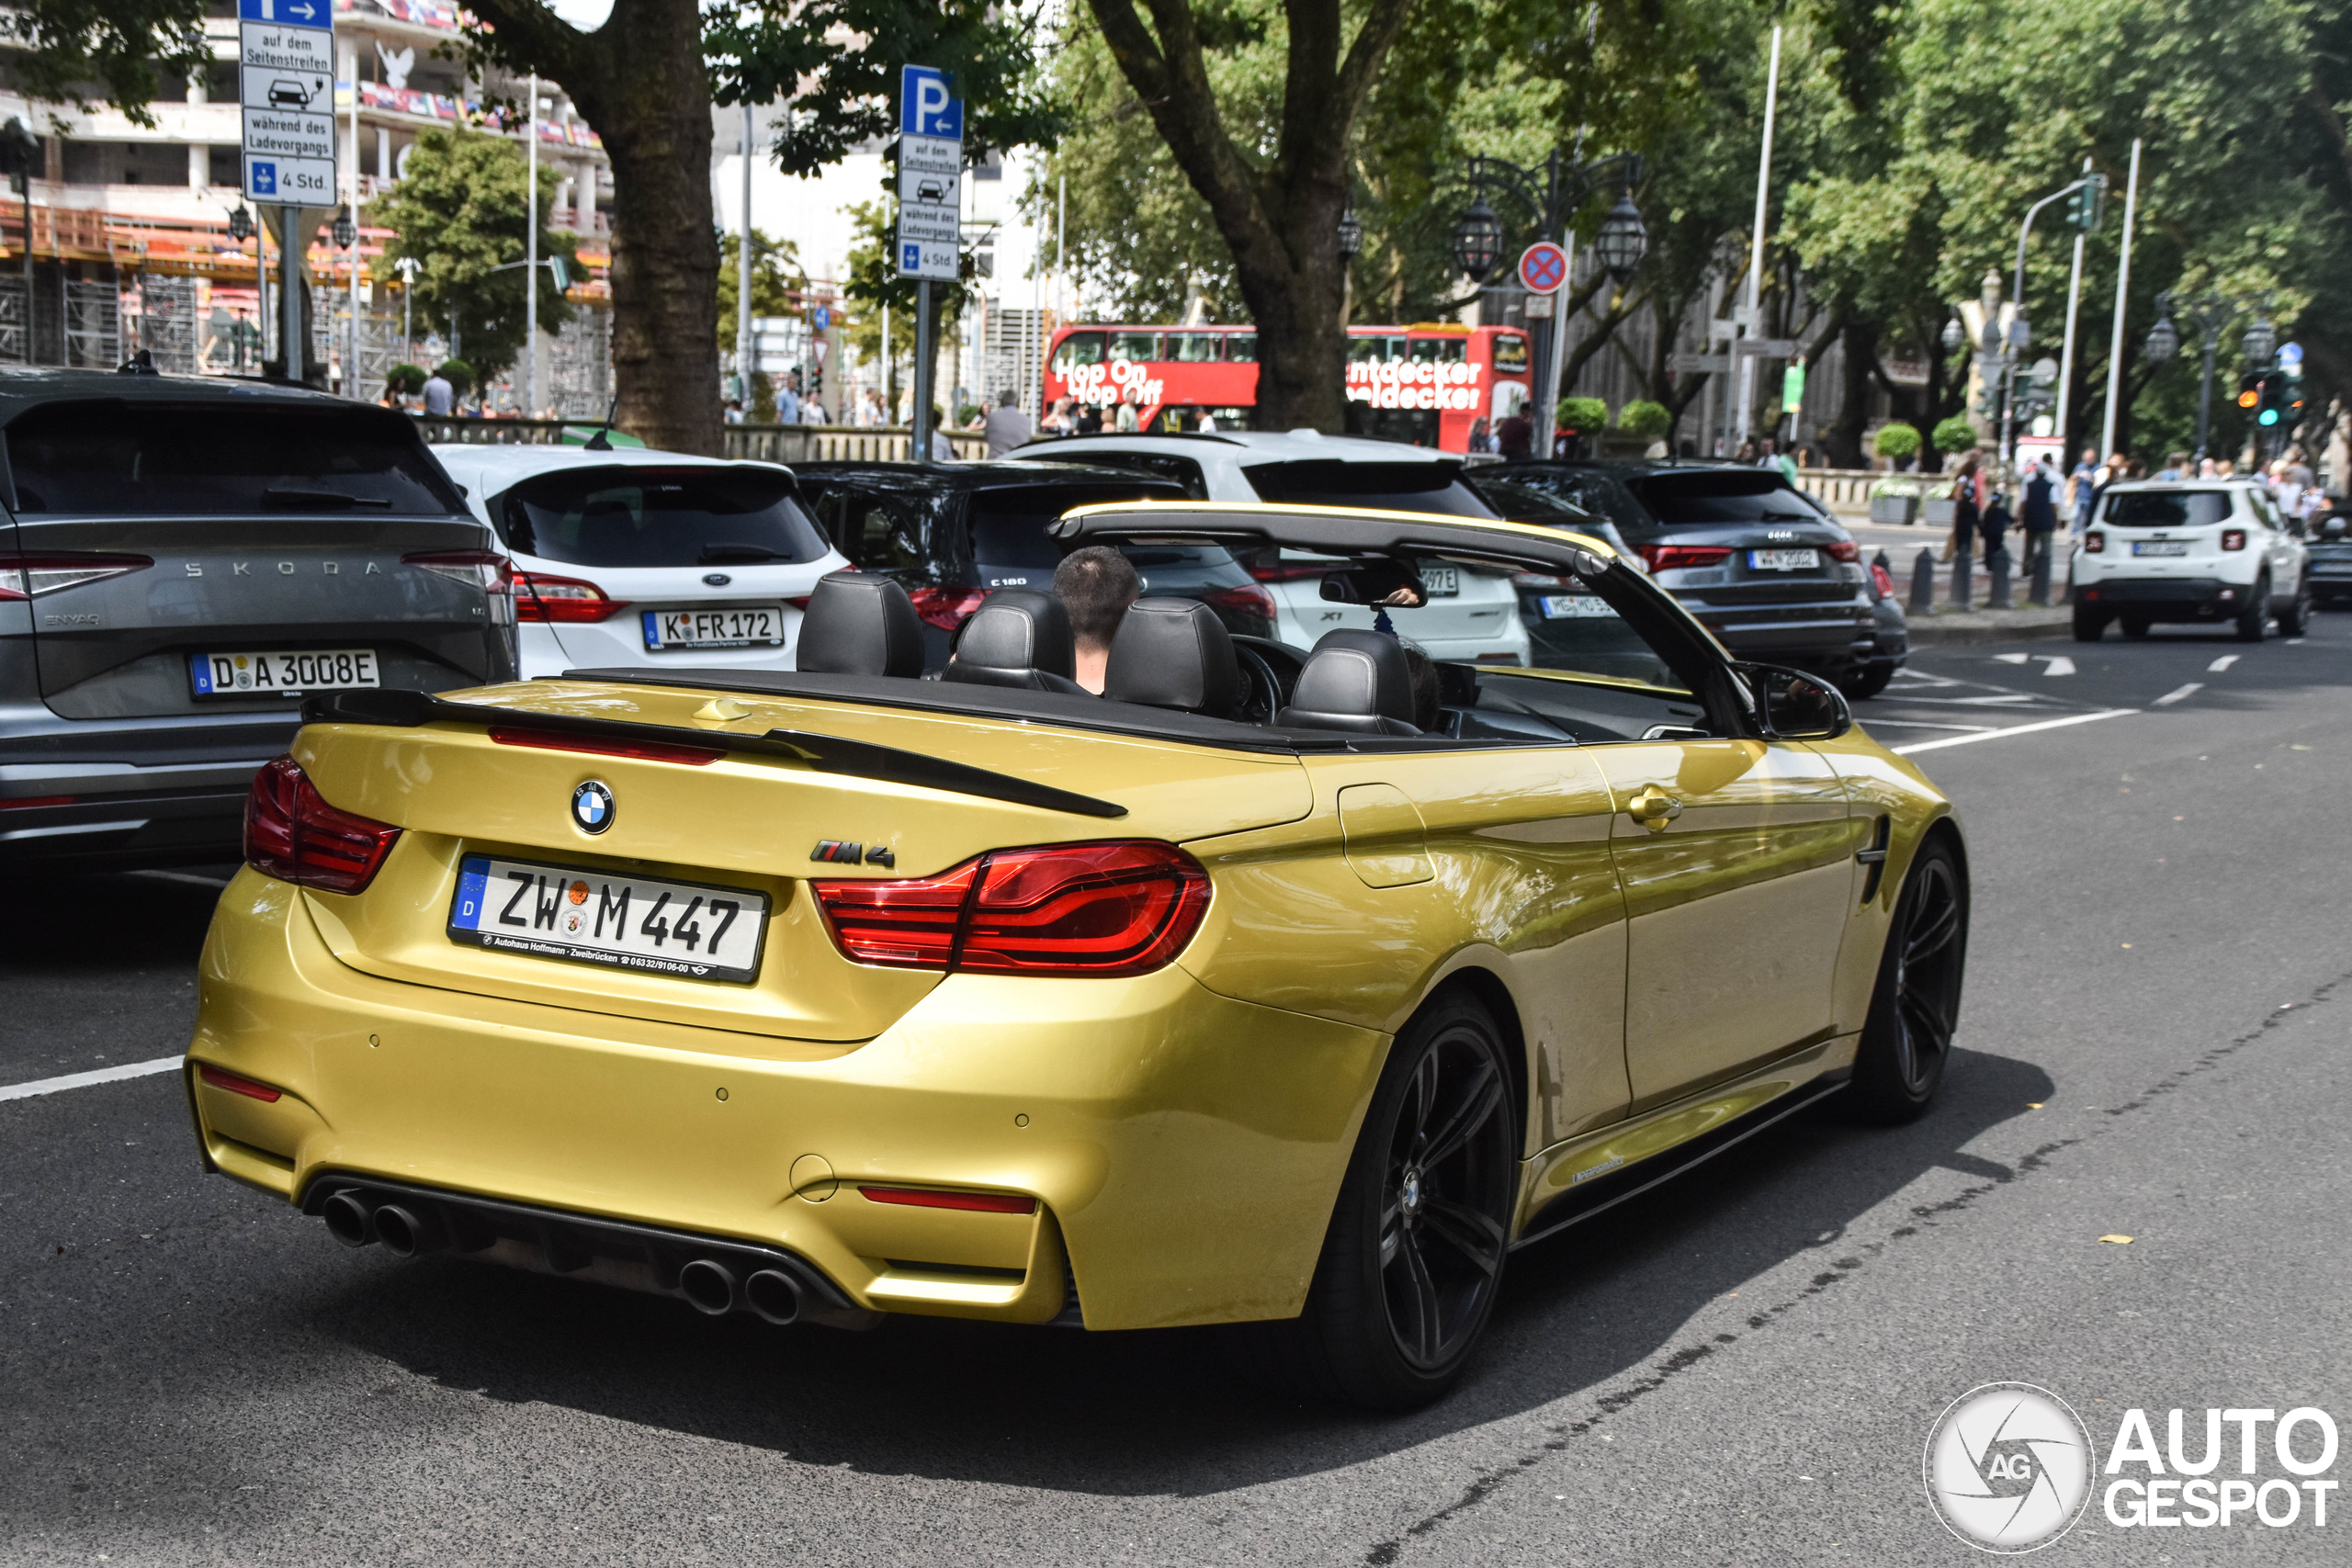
592	806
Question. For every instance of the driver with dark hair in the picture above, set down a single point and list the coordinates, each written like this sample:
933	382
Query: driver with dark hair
1095	585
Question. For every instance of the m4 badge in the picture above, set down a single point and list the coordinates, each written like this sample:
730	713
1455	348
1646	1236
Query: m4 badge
841	851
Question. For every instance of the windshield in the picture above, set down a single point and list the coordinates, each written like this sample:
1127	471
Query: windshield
1009	522
116	457
2167	509
1394	486
1527	503
649	516
1720	495
1589	490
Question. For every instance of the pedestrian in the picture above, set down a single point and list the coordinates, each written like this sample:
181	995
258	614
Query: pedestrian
1008	426
1126	418
440	396
1480	440
2081	487
2226	468
787	398
1967	492
1089	419
943	450
1514	435
2039	513
1992	523
734	414
1095	584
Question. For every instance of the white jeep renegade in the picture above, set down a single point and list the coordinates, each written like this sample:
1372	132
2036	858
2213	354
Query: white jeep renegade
2206	552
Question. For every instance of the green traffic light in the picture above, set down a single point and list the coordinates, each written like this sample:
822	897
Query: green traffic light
2267	416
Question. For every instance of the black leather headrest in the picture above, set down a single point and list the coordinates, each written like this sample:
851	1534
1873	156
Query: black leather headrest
1018	637
1355	681
1174	653
860	624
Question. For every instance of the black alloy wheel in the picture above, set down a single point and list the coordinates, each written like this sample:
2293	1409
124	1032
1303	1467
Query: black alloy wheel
1906	1040
1414	1258
2296	618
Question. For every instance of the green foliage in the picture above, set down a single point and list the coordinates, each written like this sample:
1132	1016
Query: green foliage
406	380
763	409
777	281
460	211
459	374
1646	419
873	282
1896	441
124	52
1587	416
1955	435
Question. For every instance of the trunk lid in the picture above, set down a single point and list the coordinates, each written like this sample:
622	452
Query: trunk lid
751	823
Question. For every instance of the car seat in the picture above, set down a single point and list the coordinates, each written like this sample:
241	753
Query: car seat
1356	680
858	623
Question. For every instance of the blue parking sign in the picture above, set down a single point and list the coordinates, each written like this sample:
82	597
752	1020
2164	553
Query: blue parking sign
925	108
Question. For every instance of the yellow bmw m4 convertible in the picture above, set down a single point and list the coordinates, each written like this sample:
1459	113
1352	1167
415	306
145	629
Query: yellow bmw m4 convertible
1268	986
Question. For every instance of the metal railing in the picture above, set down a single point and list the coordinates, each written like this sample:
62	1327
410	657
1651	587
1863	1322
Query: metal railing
742	443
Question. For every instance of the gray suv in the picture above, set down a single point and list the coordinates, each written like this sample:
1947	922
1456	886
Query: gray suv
181	562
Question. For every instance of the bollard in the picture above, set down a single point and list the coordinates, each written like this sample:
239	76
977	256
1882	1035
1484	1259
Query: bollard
1963	590
2039	593
1996	566
1923	583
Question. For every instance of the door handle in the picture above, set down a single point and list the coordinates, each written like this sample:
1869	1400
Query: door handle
1653	807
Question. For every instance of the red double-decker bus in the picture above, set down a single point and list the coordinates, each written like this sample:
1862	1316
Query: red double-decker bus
1428	383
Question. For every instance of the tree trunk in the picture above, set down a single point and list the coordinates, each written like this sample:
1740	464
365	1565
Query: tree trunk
641	81
1844	439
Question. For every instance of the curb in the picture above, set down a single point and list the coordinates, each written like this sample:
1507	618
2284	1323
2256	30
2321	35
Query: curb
1928	633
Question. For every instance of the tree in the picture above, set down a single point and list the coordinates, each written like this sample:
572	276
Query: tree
116	51
1276	199
777	281
458	213
874	283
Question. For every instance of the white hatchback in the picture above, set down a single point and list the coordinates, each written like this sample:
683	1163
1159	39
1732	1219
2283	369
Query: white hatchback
633	556
2204	552
1471	616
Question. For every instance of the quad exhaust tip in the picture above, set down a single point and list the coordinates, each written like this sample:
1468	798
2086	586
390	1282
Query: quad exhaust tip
775	1295
348	1220
709	1285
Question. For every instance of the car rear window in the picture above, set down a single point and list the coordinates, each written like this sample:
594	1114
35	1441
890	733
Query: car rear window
1718	496
631	515
1588	490
2167	509
1393	487
1009	522
118	456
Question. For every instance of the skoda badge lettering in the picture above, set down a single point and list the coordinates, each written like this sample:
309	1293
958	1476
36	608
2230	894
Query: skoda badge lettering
592	806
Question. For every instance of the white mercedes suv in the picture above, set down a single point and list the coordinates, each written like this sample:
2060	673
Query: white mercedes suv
1471	617
2208	552
633	557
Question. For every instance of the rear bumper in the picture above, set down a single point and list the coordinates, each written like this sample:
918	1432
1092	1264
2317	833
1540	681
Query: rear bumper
2176	598
1185	1149
130	792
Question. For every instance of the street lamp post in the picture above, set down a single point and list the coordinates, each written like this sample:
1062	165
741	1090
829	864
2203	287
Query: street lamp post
2017	298
2207	312
1552	196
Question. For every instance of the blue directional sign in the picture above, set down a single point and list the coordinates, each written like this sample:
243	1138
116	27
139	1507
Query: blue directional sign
926	106
287	13
821	318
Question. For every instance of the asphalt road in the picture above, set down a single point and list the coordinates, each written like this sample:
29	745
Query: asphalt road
1741	1369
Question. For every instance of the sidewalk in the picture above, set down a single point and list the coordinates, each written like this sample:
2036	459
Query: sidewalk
1950	628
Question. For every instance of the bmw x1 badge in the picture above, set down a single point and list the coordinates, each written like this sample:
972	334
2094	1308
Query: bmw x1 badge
592	806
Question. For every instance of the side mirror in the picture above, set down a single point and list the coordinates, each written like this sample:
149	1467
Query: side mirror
1793	706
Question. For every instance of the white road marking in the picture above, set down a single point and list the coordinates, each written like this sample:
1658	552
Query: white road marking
97	1076
2013	729
2294	642
2221	663
215	883
2059	663
1973	702
2013	657
2179	692
1917	723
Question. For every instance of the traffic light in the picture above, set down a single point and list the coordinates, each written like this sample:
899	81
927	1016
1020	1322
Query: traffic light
2249	391
2083	210
2272	399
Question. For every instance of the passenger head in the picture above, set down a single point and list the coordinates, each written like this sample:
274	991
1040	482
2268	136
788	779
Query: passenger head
1095	585
1426	697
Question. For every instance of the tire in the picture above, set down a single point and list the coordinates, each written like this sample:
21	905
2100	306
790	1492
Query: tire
2254	621
1415	1254
2134	626
1866	683
2296	618
2089	625
1907	1038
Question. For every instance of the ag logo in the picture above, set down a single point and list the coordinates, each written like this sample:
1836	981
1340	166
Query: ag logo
2008	1467
592	808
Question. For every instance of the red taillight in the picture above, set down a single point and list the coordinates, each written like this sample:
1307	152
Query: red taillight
22	800
29	577
1885	584
1122	908
236	1085
599	746
1269	567
941	1198
1244	599
946	608
569	600
485	569
2094	543
1674	558
295	836
1843	549
2233	539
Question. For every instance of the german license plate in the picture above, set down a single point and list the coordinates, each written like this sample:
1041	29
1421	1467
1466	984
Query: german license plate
1575	606
254	674
746	625
1784	560
621	922
1443	582
2160	546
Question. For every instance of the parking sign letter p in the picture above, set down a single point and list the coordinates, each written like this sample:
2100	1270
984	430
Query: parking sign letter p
931	102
